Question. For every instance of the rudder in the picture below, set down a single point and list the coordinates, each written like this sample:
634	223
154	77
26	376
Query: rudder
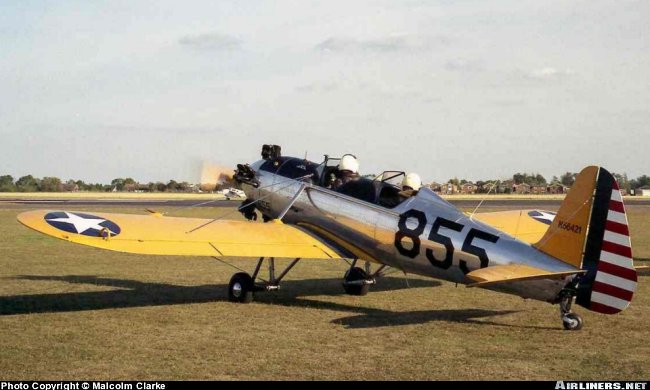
611	279
591	232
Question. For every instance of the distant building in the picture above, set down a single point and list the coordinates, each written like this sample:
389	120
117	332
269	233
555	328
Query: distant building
557	188
522	188
642	191
435	187
538	189
448	189
468	188
486	186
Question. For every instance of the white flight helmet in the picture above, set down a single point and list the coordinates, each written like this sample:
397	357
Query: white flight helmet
349	163
412	180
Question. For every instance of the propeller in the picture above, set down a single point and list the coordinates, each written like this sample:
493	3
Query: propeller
213	174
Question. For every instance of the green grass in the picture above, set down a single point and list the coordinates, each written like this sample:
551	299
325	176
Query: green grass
73	312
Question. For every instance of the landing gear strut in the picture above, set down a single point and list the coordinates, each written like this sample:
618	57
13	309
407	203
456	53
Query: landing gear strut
242	286
357	281
247	209
570	320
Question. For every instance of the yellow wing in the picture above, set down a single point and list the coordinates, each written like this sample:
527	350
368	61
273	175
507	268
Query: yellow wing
526	225
157	235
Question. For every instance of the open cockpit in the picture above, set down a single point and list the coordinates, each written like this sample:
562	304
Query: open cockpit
382	190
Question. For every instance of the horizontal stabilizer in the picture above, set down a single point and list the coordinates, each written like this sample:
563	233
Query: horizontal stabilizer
511	273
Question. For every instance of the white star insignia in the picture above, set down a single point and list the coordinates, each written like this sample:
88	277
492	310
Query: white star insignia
80	224
545	216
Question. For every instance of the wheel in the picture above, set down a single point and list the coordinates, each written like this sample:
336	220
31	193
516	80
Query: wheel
572	321
241	288
353	275
250	215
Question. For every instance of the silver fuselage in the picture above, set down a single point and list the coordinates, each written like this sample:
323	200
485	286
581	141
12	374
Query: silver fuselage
371	232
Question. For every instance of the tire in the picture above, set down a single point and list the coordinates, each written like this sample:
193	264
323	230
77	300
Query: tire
572	321
353	275
240	288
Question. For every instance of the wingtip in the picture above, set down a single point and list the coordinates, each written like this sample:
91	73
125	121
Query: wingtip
26	216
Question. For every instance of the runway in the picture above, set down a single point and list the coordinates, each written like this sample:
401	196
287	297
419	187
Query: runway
125	202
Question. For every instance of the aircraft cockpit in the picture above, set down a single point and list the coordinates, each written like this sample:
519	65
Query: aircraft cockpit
383	190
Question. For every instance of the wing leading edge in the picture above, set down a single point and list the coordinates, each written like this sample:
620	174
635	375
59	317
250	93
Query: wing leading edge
158	235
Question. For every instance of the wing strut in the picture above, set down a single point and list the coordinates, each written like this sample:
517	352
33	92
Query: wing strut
253	202
293	200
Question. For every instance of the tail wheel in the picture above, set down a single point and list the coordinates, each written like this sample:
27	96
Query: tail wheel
241	288
572	321
354	281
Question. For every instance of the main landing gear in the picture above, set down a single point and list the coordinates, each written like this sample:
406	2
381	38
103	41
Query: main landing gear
247	209
242	286
357	281
570	320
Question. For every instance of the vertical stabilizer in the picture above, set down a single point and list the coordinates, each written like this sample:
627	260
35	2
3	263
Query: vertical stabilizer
591	232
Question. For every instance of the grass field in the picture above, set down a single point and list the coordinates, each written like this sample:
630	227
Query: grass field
73	312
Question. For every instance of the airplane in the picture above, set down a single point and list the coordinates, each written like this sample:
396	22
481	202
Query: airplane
230	193
582	253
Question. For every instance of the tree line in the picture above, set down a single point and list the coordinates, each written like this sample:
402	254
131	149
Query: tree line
30	183
566	179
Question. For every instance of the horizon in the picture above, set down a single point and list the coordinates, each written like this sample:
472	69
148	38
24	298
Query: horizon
549	179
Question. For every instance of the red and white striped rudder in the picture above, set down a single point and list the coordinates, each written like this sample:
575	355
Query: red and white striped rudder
611	279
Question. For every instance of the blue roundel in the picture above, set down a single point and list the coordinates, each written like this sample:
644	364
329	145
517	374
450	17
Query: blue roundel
542	216
80	223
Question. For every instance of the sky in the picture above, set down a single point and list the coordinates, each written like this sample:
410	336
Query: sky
96	90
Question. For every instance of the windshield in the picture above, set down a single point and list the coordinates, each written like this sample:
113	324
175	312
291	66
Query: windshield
393	178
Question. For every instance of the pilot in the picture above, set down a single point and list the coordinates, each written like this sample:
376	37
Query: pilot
348	170
410	185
